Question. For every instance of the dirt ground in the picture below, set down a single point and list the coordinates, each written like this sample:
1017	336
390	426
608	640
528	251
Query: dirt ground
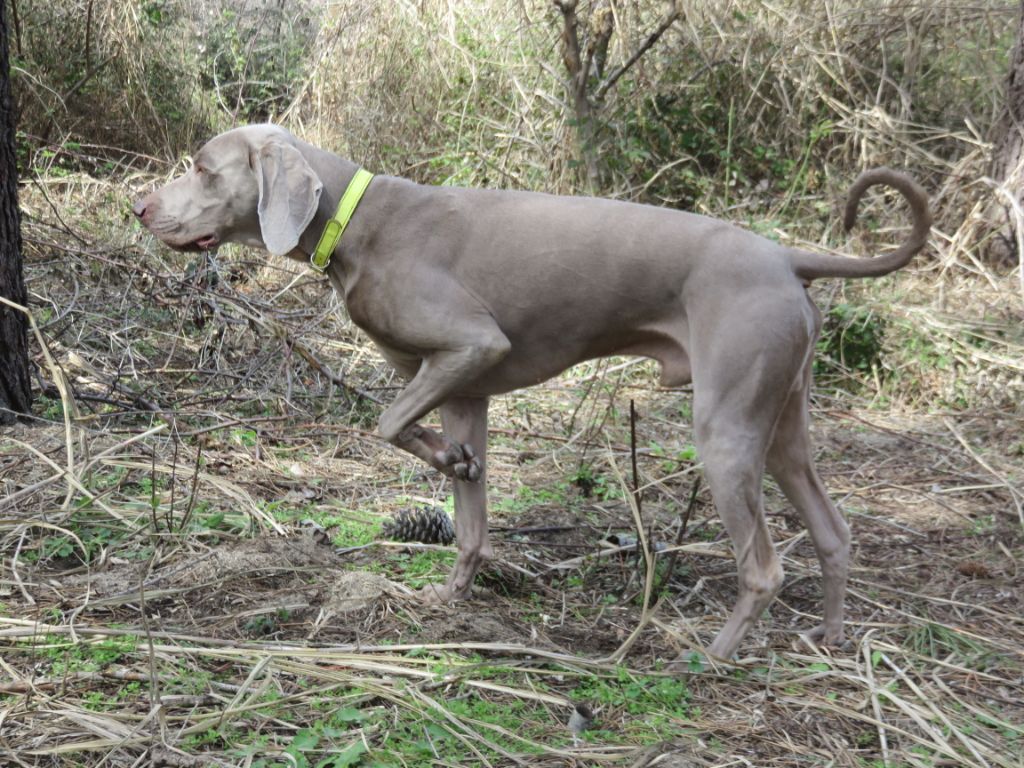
932	666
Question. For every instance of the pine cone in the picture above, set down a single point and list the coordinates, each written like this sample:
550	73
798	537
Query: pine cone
425	525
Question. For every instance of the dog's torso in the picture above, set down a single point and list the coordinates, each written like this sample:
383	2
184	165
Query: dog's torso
560	283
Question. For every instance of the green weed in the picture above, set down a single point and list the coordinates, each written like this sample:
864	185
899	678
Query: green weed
673	461
660	702
421	568
527	497
938	642
850	347
64	656
265	624
596	485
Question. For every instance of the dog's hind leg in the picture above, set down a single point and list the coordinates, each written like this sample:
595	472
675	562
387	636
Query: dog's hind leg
464	420
745	365
733	457
791	464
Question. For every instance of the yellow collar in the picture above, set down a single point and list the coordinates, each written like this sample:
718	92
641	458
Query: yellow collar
335	228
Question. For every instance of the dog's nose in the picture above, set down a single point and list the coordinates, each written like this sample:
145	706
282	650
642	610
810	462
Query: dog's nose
139	209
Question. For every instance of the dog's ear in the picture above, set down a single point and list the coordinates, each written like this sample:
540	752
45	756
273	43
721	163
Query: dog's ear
289	194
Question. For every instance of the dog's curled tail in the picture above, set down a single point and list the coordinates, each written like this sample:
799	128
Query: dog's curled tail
810	266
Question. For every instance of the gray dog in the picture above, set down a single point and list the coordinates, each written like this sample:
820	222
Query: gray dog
471	293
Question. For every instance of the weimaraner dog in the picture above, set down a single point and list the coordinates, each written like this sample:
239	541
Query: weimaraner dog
471	293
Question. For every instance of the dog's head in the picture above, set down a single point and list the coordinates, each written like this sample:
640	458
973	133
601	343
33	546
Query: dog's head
250	185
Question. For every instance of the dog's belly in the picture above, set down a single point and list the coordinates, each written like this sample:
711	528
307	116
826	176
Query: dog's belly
529	363
540	351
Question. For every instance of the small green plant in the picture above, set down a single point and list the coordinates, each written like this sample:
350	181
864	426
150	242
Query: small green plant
425	737
529	496
351	533
347	527
850	346
596	485
50	408
246	437
671	462
983	525
59	547
420	568
89	656
937	641
219	738
265	624
662	701
308	749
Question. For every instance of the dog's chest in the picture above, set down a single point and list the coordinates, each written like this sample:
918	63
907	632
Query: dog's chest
405	363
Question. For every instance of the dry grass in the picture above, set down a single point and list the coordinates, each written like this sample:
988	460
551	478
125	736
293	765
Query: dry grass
175	520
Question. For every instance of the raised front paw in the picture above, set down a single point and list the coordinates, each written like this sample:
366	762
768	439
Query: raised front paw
460	461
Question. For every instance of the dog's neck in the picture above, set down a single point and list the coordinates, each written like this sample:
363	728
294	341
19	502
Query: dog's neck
335	175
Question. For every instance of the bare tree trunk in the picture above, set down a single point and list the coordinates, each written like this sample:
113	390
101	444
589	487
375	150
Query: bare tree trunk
578	71
585	64
1008	149
15	389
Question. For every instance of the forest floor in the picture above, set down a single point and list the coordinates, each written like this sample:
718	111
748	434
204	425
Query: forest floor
193	573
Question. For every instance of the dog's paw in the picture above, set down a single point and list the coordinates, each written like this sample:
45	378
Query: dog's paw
435	594
461	462
826	638
469	469
442	594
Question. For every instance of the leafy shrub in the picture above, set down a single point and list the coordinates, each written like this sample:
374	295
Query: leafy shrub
254	58
850	347
115	78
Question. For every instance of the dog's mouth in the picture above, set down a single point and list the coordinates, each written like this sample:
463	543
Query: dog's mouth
207	242
204	243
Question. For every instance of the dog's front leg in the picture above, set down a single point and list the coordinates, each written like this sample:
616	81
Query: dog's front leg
460	451
465	421
440	377
463	347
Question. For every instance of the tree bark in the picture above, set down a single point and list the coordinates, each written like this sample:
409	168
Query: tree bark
15	388
1008	149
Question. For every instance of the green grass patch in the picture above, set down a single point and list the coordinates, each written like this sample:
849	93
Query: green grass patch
417	569
648	708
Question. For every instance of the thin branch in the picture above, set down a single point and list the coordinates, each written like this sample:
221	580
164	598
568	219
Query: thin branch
89	74
312	360
571	46
652	38
680	534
